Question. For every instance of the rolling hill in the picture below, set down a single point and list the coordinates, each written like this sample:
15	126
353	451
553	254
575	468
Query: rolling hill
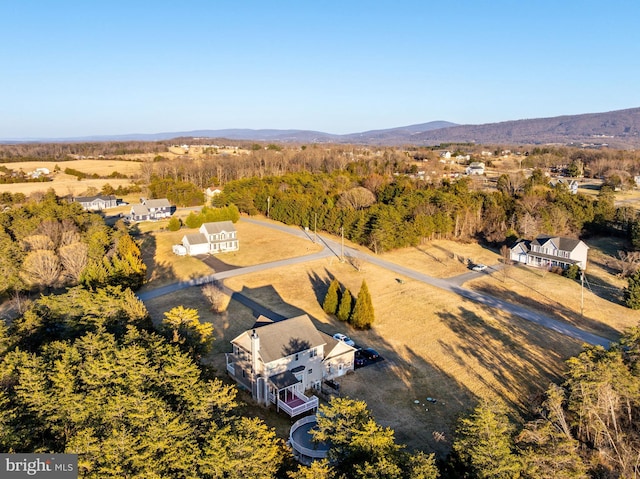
618	129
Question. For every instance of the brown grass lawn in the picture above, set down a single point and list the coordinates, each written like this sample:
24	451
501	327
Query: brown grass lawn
256	246
441	258
435	344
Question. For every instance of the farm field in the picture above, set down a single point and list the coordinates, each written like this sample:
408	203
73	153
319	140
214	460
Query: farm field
64	184
435	344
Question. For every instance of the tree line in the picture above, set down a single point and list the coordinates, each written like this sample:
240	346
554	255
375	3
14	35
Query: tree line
389	212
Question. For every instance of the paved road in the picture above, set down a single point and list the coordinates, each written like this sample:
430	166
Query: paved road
333	248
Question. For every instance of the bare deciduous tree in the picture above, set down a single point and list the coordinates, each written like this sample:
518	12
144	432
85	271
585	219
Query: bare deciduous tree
52	229
42	268
627	263
505	253
357	198
38	242
74	259
219	300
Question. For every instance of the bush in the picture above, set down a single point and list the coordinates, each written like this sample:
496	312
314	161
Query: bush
573	272
174	224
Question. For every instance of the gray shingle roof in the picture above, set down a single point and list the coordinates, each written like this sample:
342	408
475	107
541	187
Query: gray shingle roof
195	238
283	338
159	203
218	227
562	243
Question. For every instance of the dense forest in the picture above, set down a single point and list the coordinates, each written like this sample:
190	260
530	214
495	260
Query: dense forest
385	213
83	369
52	243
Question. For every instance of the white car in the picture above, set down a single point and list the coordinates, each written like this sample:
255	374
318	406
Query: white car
344	338
479	267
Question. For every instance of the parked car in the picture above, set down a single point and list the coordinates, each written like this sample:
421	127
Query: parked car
344	338
359	360
369	354
479	267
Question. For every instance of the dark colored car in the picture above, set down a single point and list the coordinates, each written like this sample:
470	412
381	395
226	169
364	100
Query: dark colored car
369	354
359	360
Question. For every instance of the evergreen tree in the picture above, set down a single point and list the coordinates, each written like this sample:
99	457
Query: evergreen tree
363	316
182	326
194	220
316	470
484	443
632	291
174	224
331	300
344	309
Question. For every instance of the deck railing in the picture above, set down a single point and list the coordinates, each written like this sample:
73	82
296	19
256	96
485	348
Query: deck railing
307	405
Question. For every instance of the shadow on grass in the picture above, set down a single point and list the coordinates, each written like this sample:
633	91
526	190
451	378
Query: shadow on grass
552	309
320	284
478	339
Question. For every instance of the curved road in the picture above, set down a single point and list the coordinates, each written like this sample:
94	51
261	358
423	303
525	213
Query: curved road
333	248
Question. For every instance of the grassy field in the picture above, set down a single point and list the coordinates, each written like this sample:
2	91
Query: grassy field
64	184
435	344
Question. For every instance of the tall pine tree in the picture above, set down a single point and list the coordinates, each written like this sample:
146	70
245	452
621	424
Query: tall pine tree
344	310
331	300
363	316
632	292
484	443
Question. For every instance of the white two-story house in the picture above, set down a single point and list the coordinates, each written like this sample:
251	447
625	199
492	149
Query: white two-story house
212	238
278	362
151	210
549	251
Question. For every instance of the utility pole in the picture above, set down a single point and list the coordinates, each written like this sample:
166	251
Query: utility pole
315	228
268	205
581	294
342	250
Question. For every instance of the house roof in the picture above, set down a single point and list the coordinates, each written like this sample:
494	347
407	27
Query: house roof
159	203
283	338
89	199
335	348
139	210
218	227
523	245
562	243
194	239
284	380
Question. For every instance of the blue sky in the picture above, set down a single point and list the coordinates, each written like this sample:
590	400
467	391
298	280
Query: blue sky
76	68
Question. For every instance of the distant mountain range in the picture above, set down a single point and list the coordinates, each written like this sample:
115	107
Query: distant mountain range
618	129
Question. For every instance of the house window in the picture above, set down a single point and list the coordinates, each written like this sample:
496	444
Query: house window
297	356
310	371
313	353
